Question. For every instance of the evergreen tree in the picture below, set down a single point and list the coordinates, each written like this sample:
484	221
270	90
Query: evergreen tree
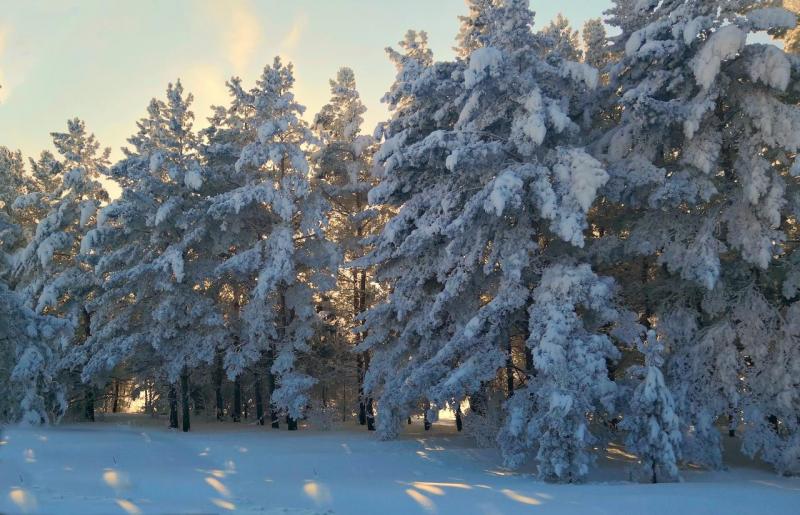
595	43
560	40
157	303
484	161
344	162
652	425
274	219
702	191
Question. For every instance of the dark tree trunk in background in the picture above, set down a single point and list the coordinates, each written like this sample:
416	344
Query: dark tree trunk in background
427	422
89	403
89	396
362	406
237	400
370	415
115	404
173	407
510	370
218	374
259	400
477	401
291	423
185	399
409	421
459	422
273	413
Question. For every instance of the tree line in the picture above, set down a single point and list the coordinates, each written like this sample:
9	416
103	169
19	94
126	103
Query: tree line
585	237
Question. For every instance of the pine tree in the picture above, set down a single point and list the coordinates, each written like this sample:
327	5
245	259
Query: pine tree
595	43
50	272
274	220
157	303
344	163
652	425
568	310
483	160
560	40
703	192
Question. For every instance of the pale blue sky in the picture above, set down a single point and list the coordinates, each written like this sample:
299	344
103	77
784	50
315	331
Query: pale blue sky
102	60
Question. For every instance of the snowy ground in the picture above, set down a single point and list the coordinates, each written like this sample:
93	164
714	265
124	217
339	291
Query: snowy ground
134	465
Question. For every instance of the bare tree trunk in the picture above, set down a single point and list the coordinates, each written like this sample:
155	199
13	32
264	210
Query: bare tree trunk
459	422
370	410
273	413
185	398
360	365
426	421
259	400
237	400
89	395
115	404
173	407
510	370
89	398
218	374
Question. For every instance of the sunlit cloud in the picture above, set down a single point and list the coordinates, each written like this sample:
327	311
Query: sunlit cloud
293	36
5	89
207	83
240	30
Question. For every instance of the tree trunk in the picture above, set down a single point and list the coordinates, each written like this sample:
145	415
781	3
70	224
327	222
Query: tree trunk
115	404
510	370
459	422
185	399
477	402
427	422
173	407
273	413
362	406
89	395
291	423
218	374
370	415
259	400
368	405
237	400
89	403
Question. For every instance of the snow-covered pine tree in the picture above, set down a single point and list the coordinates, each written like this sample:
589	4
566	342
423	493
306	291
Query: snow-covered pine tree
344	163
30	389
483	158
157	306
569	308
273	218
49	272
703	189
595	44
653	429
473	27
560	40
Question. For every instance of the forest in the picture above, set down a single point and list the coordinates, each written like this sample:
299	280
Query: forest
563	237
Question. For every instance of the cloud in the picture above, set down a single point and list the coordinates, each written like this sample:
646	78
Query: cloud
5	88
295	33
240	30
207	84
